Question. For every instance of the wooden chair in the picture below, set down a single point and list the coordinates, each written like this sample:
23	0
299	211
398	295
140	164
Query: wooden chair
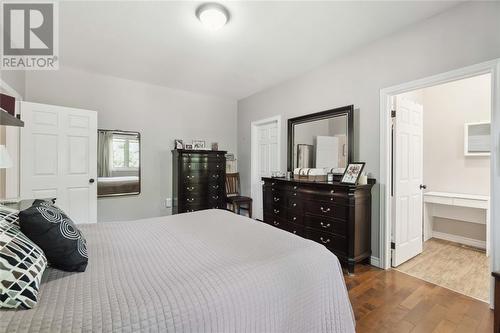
233	195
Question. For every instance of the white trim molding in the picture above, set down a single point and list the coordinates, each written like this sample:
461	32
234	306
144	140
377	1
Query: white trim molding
459	239
490	67
374	261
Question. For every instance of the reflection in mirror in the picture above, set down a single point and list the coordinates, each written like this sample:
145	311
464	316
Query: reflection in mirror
321	143
118	163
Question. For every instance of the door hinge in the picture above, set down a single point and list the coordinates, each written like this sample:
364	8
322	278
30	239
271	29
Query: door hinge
393	245
393	113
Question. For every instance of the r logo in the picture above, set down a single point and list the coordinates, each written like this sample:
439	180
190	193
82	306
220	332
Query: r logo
28	29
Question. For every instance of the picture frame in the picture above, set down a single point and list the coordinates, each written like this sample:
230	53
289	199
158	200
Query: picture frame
352	173
199	144
188	146
178	144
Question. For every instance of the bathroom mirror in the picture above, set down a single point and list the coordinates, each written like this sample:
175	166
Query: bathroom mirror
321	140
118	163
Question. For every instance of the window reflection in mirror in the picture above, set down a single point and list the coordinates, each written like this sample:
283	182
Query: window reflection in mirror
321	143
118	163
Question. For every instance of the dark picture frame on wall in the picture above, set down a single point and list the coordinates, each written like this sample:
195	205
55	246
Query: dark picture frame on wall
352	173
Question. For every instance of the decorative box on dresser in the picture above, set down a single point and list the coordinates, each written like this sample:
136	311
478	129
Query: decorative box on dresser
198	180
330	213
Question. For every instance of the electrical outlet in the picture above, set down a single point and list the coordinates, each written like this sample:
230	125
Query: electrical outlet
168	202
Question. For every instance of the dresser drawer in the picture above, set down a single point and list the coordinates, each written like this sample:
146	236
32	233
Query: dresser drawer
323	224
294	203
326	209
294	229
195	177
331	241
334	194
217	203
193	206
275	211
216	177
274	221
294	217
194	166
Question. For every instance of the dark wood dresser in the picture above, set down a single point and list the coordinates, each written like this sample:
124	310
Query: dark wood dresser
198	180
333	214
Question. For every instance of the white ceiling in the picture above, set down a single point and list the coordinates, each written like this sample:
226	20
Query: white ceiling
263	44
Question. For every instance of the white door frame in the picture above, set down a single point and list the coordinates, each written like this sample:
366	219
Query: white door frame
253	153
492	67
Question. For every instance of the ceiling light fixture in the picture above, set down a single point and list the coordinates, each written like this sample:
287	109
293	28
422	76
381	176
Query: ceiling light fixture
212	15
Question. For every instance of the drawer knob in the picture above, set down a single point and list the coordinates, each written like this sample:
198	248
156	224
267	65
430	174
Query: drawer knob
276	223
276	199
190	200
190	188
295	231
215	186
215	176
276	211
295	187
324	241
215	197
272	184
325	225
325	210
294	218
189	166
294	204
294	194
189	177
332	191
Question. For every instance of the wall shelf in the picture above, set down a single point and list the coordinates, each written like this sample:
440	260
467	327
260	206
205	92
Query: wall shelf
477	139
6	119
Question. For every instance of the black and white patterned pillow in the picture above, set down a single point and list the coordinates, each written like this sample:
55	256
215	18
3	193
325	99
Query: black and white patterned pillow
59	238
9	215
22	264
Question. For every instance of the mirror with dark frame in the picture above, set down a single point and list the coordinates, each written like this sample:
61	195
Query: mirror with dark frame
118	163
321	140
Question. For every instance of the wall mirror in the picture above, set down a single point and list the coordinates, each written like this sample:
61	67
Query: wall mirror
321	140
118	163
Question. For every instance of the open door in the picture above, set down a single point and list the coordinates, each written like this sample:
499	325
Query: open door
59	158
407	225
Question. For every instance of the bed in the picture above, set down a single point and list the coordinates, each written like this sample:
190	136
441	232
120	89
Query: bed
118	185
207	271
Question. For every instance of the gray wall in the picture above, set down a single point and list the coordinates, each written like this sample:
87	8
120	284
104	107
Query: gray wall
465	35
159	113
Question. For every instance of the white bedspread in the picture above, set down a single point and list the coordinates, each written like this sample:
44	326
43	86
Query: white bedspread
208	271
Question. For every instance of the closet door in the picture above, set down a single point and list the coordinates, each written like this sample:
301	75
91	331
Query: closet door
59	158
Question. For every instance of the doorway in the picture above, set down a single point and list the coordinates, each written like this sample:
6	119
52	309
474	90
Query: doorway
386	177
265	156
441	184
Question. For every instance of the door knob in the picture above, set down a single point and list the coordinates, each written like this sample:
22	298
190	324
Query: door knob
91	180
423	186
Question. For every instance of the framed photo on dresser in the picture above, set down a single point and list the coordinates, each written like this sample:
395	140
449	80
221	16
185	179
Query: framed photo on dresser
352	173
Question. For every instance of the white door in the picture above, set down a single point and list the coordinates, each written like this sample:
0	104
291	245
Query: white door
59	158
265	159
408	165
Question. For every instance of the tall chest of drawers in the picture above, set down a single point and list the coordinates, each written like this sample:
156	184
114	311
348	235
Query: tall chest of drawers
198	180
333	214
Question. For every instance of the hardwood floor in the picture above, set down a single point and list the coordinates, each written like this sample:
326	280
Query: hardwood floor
391	301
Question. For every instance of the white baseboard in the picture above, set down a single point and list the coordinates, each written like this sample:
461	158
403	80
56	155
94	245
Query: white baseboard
459	239
374	261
